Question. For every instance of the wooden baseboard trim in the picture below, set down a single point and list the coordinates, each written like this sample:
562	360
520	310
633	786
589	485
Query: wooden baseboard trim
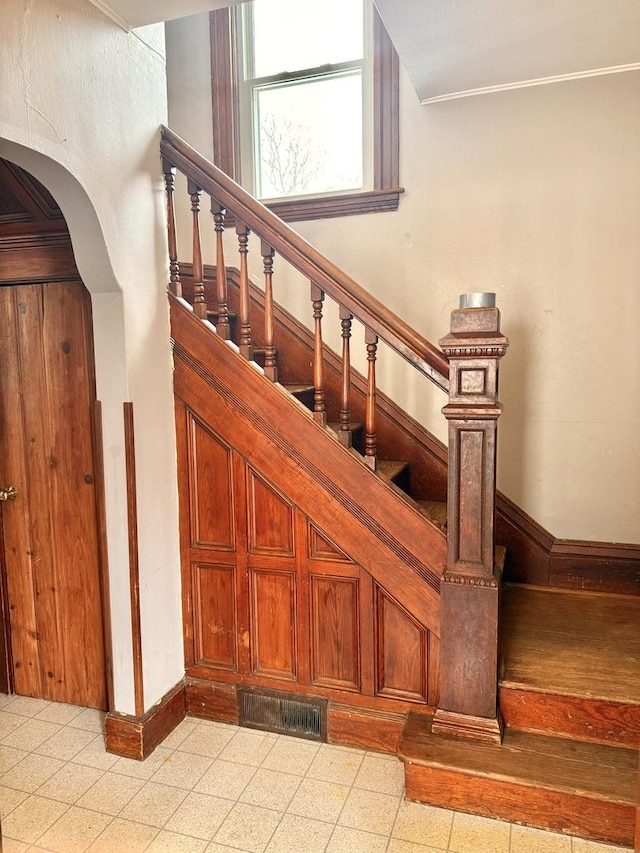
367	729
211	700
137	737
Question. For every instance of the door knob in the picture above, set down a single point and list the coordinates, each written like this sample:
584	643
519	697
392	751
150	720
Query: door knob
9	493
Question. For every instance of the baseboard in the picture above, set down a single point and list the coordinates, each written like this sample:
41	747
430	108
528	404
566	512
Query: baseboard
211	700
137	737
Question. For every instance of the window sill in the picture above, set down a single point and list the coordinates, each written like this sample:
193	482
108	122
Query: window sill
376	201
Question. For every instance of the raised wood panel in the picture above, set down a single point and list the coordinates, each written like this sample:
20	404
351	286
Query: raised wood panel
335	632
215	618
210	474
402	646
269	518
273	624
320	548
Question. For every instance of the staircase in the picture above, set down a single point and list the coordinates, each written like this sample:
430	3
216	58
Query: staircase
356	494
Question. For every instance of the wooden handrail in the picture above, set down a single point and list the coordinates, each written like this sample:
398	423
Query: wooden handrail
375	316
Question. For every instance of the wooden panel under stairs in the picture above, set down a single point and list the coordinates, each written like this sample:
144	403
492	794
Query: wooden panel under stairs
569	693
582	789
571	664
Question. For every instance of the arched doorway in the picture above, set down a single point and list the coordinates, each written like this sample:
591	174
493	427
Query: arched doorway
53	573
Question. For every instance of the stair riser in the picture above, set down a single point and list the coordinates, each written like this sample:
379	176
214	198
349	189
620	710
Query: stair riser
573	814
597	721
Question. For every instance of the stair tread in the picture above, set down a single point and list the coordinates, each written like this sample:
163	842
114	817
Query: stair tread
298	387
336	426
571	643
391	468
593	770
436	511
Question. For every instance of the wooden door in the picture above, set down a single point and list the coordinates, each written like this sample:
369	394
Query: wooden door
50	531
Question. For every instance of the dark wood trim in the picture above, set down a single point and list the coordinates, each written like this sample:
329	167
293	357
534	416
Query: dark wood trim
137	736
101	513
6	657
134	572
211	700
36	258
386	192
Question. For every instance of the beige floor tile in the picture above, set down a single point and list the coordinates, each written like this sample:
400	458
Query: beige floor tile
32	772
199	815
74	831
291	755
422	824
319	800
225	779
480	834
248	747
110	794
9	723
26	706
10	845
384	775
65	744
580	845
207	740
30	734
398	846
123	836
213	847
153	804
526	840
31	818
370	811
69	783
300	833
271	789
9	757
171	842
59	712
5	698
95	755
9	799
182	769
248	827
181	732
142	769
346	840
335	765
89	719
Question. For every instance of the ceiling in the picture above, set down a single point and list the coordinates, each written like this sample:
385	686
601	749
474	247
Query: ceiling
455	48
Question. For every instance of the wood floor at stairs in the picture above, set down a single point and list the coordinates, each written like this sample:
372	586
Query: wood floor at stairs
570	697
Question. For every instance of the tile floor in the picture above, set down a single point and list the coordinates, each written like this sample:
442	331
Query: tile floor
213	788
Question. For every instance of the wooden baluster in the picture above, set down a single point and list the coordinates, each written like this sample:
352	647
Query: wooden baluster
199	304
344	433
222	322
319	408
470	588
246	347
175	285
370	438
270	367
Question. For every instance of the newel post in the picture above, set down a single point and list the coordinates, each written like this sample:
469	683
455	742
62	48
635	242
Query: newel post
470	589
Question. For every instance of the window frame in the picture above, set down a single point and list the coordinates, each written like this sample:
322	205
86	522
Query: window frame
384	196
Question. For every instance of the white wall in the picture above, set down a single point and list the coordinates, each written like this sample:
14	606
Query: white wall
534	194
81	102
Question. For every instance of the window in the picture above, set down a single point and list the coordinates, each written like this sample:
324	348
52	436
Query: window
320	138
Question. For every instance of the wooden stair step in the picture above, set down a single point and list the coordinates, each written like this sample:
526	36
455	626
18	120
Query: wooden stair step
584	789
303	392
392	469
436	511
570	663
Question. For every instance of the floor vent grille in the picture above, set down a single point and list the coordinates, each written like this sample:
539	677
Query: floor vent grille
283	713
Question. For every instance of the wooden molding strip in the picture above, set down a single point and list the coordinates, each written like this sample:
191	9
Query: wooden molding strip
137	736
102	545
134	570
